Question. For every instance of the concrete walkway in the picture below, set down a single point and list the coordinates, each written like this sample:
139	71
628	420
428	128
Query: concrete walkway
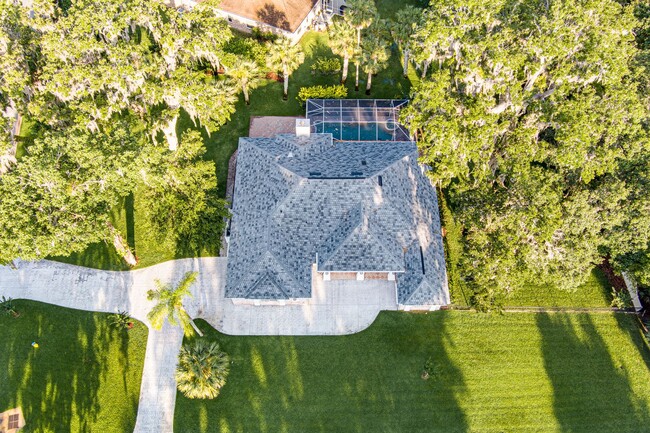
336	307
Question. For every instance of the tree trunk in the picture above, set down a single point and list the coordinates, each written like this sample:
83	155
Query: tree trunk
170	133
346	63
122	247
356	81
369	84
406	63
286	84
196	329
245	90
425	68
9	158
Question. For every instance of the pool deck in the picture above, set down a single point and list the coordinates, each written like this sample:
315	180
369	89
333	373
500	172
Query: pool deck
270	126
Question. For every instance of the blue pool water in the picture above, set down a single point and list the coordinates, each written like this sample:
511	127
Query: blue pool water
379	131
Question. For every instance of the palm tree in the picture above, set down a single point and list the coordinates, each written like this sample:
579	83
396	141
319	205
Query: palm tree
359	15
170	305
343	43
374	59
403	29
202	370
286	56
246	74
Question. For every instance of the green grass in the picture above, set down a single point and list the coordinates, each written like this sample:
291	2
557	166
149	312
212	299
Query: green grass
516	372
595	292
84	377
388	8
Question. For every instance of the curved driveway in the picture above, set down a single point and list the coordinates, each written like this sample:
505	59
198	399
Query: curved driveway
336	307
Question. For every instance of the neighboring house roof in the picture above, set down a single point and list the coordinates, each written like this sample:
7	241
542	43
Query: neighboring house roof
350	206
283	14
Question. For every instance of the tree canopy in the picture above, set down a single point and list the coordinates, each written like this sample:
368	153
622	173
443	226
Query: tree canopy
530	116
103	81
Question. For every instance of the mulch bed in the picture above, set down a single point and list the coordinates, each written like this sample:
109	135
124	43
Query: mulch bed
274	76
616	281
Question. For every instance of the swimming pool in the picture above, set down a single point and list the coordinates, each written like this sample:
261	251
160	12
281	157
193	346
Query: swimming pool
357	119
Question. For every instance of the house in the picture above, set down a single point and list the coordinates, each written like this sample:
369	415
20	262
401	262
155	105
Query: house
290	18
308	207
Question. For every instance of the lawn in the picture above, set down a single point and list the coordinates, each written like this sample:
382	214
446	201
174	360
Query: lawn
84	376
517	372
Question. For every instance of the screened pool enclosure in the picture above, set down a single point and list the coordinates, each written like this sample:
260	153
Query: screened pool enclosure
358	119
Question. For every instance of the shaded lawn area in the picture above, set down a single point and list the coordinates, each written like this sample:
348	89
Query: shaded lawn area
517	372
594	293
84	376
266	100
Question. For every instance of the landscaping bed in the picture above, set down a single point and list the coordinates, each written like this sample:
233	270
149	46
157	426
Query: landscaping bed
84	375
515	372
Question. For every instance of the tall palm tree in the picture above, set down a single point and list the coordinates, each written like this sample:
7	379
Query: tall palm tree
359	15
170	305
202	370
246	74
373	59
403	29
342	41
287	57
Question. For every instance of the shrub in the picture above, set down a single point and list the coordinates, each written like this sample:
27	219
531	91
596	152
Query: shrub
247	48
263	36
621	298
121	320
326	66
322	92
8	307
202	369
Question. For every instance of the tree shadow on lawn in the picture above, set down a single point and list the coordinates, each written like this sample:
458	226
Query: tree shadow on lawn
57	384
592	391
366	382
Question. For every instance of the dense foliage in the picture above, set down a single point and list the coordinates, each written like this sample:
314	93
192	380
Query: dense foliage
322	92
202	369
530	116
104	82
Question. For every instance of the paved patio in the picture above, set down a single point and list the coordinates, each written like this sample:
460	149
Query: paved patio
336	307
270	126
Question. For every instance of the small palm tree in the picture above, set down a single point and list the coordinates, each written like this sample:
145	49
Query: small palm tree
343	43
403	29
374	59
287	57
170	305
246	73
202	370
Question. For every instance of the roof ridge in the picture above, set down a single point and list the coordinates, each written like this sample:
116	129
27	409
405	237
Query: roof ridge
397	160
349	232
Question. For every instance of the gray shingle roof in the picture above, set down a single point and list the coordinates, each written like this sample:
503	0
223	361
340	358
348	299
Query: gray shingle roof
300	200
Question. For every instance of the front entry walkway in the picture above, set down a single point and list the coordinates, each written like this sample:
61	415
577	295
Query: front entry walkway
336	307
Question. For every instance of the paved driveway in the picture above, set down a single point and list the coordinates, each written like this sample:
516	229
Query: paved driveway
336	307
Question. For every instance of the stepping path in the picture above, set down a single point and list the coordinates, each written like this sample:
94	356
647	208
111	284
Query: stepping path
336	307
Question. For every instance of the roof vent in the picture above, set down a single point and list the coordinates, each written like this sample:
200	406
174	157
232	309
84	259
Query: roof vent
356	173
380	181
303	128
315	173
363	162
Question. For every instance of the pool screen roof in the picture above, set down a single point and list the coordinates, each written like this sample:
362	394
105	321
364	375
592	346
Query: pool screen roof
358	119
